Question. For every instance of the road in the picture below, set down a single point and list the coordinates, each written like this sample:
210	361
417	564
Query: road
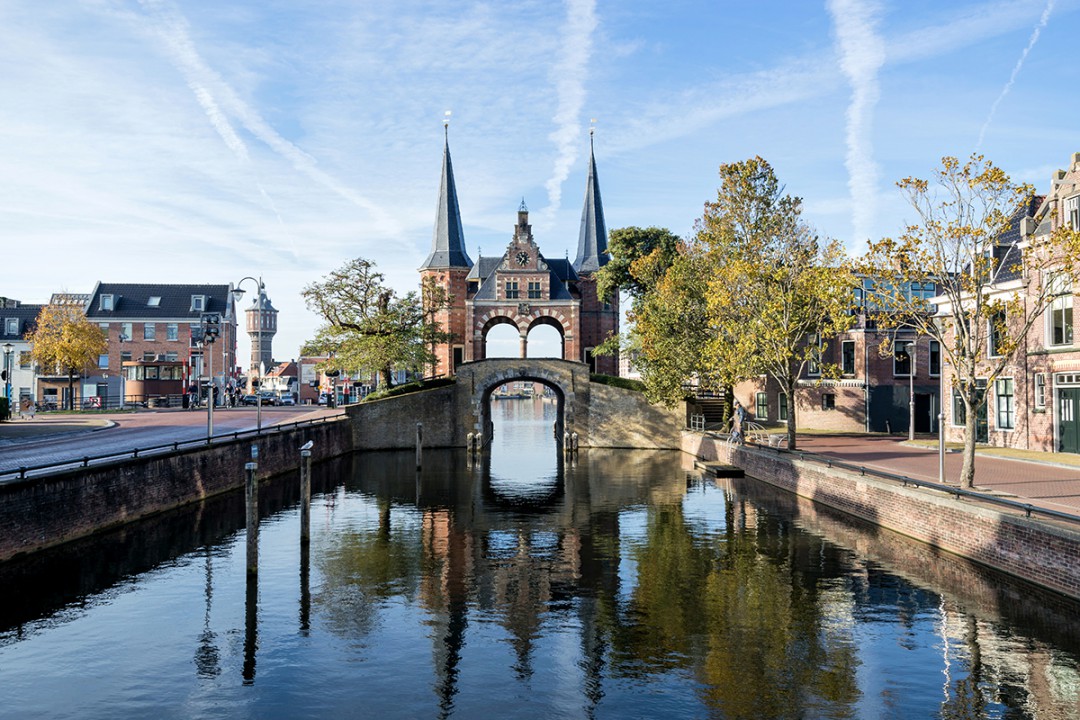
147	428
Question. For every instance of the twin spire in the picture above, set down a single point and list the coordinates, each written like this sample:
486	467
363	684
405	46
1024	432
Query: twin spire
448	241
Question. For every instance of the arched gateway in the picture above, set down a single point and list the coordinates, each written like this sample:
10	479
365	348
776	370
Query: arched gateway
569	381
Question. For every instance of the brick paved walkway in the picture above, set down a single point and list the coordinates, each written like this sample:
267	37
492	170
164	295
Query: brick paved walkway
1042	484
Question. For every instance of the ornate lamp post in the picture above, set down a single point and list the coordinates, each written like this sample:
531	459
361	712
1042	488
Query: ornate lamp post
238	293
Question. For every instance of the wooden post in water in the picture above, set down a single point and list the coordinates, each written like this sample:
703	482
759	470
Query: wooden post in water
305	492
251	497
419	443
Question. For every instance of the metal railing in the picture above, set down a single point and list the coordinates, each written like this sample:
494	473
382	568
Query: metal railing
1027	508
22	472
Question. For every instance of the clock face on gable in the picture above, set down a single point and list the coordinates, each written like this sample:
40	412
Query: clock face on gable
523	258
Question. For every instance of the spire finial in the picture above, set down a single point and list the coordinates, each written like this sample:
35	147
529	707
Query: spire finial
523	207
446	125
592	130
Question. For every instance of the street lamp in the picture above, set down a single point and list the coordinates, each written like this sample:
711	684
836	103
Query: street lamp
238	294
122	338
8	348
911	391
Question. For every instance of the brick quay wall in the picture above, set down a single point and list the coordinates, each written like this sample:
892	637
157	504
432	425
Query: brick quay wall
1038	551
37	513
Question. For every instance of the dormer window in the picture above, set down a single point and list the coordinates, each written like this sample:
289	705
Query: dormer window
107	303
11	326
154	301
198	303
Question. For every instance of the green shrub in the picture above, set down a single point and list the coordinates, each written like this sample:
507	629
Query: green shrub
410	387
619	382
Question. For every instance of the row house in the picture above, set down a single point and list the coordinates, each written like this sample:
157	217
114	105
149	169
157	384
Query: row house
1034	403
18	320
155	342
854	387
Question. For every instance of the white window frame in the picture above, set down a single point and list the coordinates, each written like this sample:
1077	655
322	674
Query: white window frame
991	347
172	332
813	363
843	344
1072	212
103	361
903	346
11	326
831	401
1062	304
149	331
198	303
1039	391
153	301
1010	410
107	303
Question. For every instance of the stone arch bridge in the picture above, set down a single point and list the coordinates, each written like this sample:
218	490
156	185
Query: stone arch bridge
601	415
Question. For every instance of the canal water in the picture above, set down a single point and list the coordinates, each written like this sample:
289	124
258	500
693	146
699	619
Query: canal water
615	585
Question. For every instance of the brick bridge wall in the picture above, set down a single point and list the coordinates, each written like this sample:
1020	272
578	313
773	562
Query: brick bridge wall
1033	550
601	415
37	513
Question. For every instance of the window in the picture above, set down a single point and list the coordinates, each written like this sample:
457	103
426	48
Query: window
935	358
511	289
172	332
152	372
198	303
1060	317
534	290
1072	212
761	406
902	361
1003	397
153	301
171	356
828	401
847	357
813	366
781	402
149	356
125	330
25	359
959	412
125	356
106	303
104	328
996	332
103	361
149	331
1040	391
11	326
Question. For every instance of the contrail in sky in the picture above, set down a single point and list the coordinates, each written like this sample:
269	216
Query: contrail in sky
221	101
569	74
862	53
1016	69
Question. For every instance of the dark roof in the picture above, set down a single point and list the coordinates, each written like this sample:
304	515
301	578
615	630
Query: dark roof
1008	256
448	240
26	316
557	270
484	268
592	240
132	300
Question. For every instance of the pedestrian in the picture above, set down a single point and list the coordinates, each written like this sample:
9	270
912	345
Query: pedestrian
738	417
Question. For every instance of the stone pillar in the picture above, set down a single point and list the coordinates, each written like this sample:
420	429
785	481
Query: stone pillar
524	345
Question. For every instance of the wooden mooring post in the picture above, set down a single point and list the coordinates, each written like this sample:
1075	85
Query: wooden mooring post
251	502
305	491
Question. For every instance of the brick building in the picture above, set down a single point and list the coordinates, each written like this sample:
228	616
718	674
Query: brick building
151	340
520	287
1034	403
16	321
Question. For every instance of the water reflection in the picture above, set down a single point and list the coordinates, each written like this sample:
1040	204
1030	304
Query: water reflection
619	586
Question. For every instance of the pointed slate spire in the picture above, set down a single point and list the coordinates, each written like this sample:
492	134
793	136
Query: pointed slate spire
448	241
592	240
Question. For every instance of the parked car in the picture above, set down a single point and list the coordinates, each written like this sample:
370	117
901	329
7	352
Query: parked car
287	400
249	400
269	398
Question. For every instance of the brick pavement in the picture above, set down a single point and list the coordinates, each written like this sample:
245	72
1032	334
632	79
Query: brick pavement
1040	483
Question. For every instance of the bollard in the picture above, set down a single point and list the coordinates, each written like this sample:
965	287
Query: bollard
573	440
305	492
469	444
419	443
251	498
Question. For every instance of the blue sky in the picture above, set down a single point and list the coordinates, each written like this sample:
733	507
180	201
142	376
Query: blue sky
205	141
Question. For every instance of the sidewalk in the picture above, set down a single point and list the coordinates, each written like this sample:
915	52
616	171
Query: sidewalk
50	425
1050	480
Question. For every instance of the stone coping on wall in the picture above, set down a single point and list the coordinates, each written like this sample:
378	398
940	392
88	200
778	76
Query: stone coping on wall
1041	552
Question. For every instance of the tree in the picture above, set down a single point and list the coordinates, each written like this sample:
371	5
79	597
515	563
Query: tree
776	291
368	325
628	247
65	340
985	289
